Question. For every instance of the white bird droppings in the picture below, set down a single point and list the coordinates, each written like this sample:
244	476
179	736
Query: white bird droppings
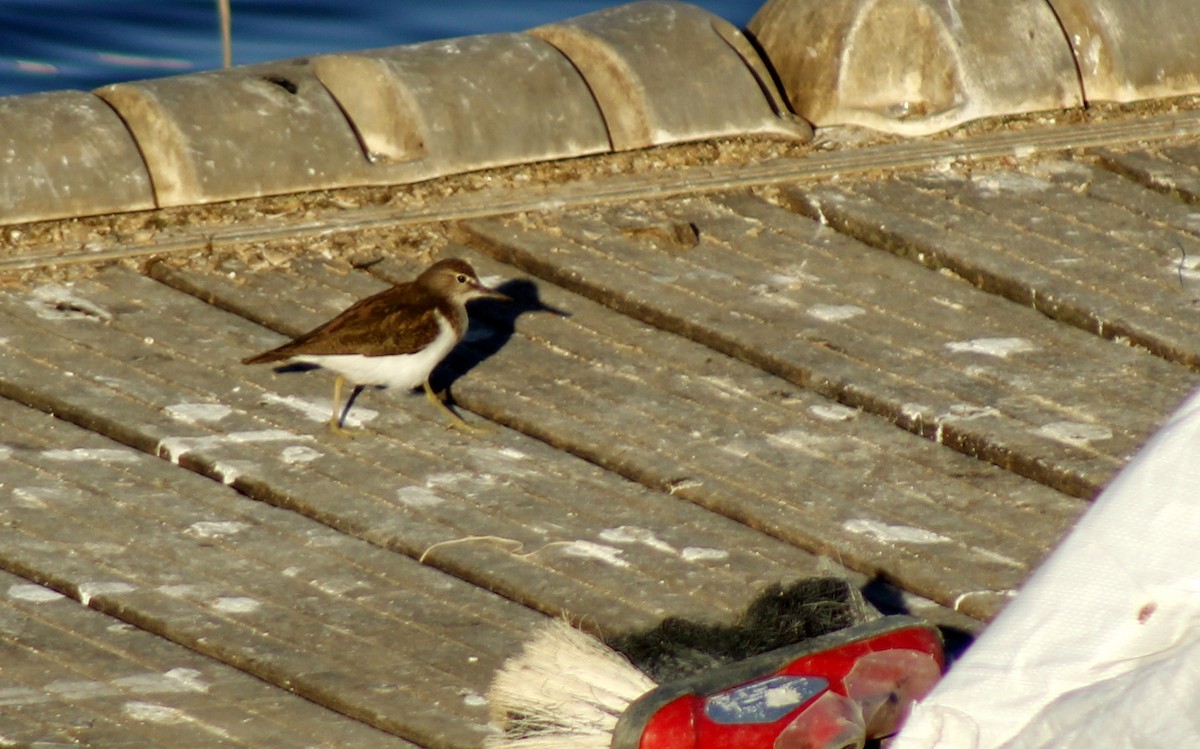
702	554
17	696
33	593
798	439
236	604
1017	182
299	454
76	690
192	413
962	598
1075	433
1001	348
454	479
173	448
631	534
55	302
230	471
419	496
38	496
216	528
835	312
183	590
88	591
100	454
175	680
967	412
834	412
151	713
587	549
503	462
896	534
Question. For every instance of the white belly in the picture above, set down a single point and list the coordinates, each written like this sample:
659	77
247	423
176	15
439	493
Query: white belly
405	371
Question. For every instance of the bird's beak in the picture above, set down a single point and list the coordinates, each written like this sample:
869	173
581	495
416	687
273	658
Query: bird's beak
487	292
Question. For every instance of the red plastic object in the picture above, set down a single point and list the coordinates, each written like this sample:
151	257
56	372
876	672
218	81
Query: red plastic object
831	692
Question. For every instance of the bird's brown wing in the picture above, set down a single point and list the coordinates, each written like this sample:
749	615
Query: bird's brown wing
398	320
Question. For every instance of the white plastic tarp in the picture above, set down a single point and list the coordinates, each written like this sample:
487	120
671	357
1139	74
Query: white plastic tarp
1101	647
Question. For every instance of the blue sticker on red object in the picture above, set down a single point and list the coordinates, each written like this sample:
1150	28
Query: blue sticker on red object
763	701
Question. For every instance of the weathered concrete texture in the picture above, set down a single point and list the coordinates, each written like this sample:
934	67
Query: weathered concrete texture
417	488
73	676
245	132
1074	244
316	586
463	104
1130	51
929	352
1171	169
916	66
66	153
668	413
666	72
360	630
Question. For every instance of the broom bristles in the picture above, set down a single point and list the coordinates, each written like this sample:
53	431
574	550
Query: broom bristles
565	690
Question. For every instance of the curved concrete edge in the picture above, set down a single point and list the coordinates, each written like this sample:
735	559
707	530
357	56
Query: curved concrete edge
463	104
1132	51
638	75
244	132
916	67
66	153
669	72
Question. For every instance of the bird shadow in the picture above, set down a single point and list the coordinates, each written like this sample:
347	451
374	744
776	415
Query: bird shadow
295	366
494	323
887	600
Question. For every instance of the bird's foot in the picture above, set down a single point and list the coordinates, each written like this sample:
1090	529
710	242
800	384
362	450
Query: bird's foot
456	421
338	430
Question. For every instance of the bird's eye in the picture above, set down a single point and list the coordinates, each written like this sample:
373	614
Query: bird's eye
462	278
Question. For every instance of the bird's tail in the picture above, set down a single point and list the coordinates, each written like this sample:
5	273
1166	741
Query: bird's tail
265	357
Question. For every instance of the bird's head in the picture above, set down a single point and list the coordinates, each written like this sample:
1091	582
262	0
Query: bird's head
457	280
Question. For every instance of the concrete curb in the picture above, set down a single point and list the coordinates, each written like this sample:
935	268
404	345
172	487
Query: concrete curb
66	153
916	67
629	77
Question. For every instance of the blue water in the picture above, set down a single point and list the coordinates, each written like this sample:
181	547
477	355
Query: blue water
82	44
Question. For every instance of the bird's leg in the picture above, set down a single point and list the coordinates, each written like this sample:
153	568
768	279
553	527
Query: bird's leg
339	414
456	421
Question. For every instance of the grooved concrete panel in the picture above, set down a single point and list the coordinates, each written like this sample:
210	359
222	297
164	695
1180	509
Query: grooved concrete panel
250	131
666	72
364	632
945	367
463	104
67	154
74	676
915	66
